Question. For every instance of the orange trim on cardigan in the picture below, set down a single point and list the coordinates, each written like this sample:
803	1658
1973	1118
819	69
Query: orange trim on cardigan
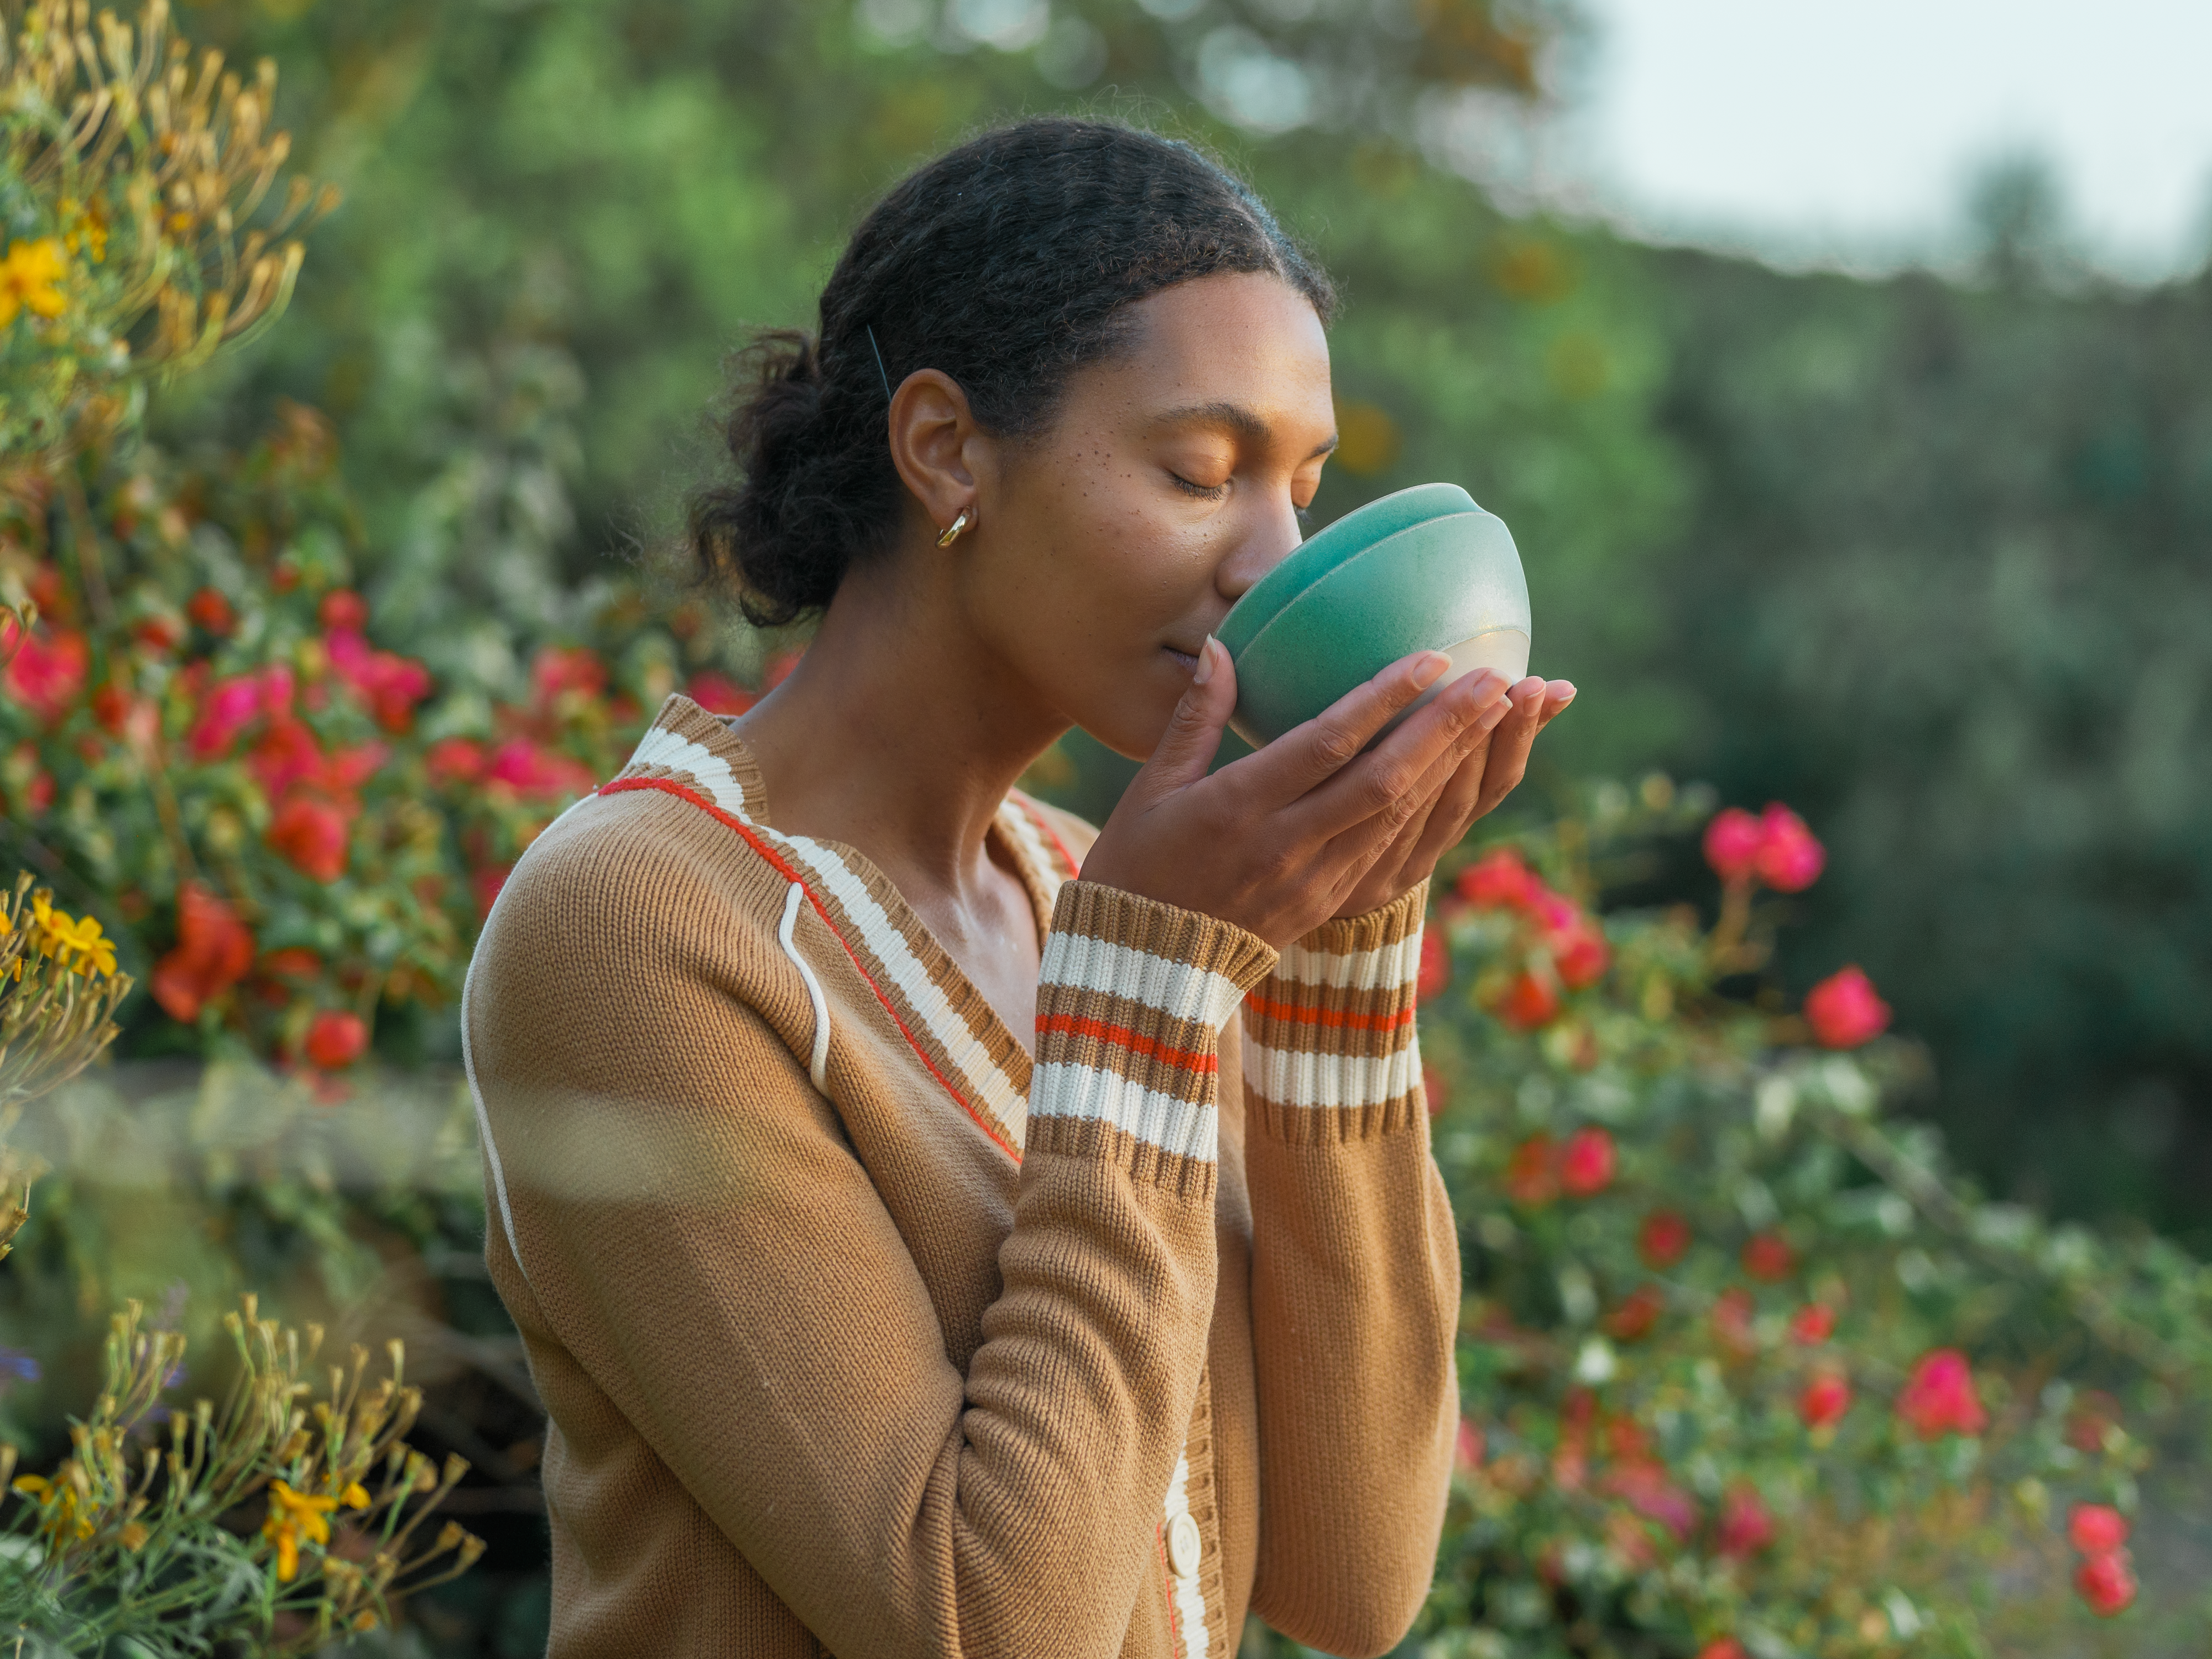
1305	1014
1123	1037
783	868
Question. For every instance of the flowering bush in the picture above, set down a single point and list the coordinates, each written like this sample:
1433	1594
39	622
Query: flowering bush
1746	1372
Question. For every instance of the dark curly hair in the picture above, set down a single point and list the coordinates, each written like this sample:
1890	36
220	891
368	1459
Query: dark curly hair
1005	263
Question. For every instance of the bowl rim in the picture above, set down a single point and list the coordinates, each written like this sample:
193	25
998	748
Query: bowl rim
1314	558
1333	570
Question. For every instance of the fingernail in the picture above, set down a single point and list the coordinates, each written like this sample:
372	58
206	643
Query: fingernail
1567	694
1430	670
1204	671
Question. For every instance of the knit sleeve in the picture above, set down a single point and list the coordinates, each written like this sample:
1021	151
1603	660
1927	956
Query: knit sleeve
697	1234
1355	1287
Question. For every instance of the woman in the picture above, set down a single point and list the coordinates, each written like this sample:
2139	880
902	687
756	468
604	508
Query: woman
909	1262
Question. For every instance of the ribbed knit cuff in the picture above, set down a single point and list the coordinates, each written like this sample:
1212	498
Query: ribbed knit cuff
1330	1045
1131	999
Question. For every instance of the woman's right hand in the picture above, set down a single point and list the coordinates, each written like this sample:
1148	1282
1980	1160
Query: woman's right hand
1274	842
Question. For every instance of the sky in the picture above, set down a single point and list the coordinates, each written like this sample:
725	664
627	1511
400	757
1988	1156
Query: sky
1848	131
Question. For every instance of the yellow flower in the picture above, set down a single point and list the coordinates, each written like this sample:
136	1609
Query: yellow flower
27	279
354	1496
294	1516
80	945
58	1504
133	1536
88	229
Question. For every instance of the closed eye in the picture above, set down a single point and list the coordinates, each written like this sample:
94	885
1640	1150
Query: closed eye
1209	492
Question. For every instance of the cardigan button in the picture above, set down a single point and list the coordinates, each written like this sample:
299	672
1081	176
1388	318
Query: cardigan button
1184	1545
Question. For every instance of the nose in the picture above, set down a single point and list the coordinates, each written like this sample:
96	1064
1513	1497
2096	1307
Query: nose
1264	543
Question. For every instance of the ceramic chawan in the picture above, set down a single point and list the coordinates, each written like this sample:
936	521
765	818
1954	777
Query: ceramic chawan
1423	569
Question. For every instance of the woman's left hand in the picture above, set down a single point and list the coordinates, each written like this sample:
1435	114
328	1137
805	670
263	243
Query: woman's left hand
1457	795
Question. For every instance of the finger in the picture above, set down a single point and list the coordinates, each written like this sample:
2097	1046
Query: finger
1399	821
1508	761
1456	808
1381	779
1187	747
1558	694
1310	755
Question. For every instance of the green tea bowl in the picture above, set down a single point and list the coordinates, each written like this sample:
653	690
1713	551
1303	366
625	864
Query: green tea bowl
1423	569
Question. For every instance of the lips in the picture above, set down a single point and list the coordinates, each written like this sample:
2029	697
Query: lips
1186	660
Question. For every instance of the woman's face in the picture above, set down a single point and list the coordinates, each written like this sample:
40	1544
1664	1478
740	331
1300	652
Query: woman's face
1109	547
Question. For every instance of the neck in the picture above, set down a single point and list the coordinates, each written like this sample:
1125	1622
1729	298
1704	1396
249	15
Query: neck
900	732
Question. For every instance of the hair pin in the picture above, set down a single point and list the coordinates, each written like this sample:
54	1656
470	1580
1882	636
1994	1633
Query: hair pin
878	351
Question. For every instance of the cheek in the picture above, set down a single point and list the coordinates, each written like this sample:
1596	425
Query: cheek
1101	564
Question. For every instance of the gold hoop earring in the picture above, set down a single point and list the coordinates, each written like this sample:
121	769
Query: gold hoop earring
951	532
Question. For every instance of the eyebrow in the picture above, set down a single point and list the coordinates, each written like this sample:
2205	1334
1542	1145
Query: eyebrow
1237	418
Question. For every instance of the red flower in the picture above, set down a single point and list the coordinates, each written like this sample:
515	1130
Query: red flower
1939	1397
1530	1176
48	672
133	719
1768	1257
486	884
2096	1529
1436	967
389	683
1732	842
311	833
1498	880
211	612
158	633
1745	1527
336	1040
1824	1400
1790	859
1433	1089
1814	1324
718	694
1732	1315
1843	1010
293	962
1586	1166
556	670
1664	1240
1636	1316
1529	1003
1722	1647
454	760
1468	1451
2107	1583
1646	1487
1581	955
214	950
535	773
343	608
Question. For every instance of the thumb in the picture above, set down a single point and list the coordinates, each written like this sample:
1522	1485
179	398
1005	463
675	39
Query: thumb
1186	748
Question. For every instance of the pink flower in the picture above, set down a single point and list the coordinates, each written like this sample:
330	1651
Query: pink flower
389	683
343	609
336	1040
1436	967
2106	1582
1498	880
232	705
1843	1010
1664	1240
1581	955
1745	1527
2096	1529
1587	1164
1733	841
48	671
1813	1324
310	834
555	671
1467	1454
454	760
1768	1257
1648	1491
1824	1400
1939	1397
1789	860
718	694
534	772
213	950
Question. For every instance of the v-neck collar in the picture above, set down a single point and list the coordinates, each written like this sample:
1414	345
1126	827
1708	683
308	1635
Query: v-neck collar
954	1025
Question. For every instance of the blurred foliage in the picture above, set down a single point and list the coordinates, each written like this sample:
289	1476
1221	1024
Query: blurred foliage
370	599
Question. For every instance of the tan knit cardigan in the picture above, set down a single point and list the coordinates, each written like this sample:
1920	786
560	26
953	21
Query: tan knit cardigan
863	1334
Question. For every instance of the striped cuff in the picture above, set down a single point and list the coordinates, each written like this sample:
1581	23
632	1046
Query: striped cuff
1331	1030
1131	999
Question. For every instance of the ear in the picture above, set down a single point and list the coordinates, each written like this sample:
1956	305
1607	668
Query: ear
938	447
